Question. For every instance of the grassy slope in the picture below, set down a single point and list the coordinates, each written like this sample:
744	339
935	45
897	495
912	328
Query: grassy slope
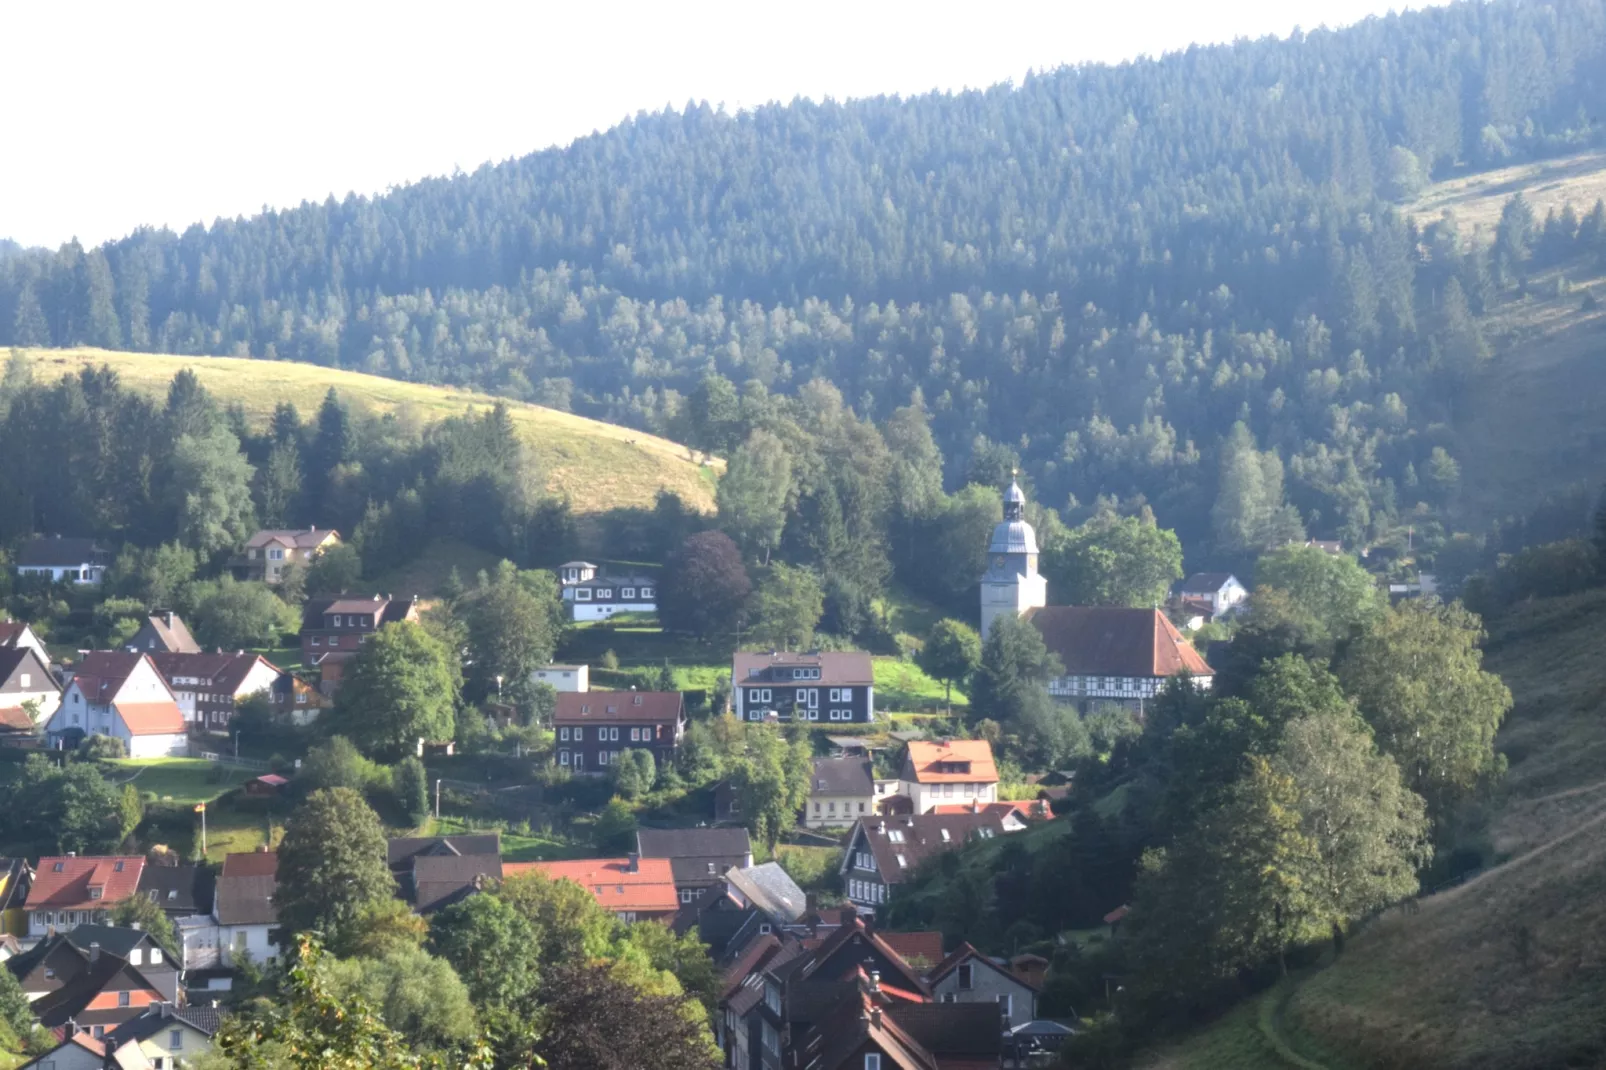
597	466
1506	970
1532	421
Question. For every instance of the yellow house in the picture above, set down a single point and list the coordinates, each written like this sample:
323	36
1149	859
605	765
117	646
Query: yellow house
15	876
268	553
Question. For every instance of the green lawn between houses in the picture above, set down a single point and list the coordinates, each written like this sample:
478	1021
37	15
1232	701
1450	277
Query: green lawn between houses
177	780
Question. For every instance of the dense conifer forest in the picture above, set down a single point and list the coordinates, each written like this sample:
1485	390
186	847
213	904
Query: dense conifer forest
1132	280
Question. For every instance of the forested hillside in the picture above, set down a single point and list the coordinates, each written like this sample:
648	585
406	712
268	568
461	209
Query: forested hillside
1102	269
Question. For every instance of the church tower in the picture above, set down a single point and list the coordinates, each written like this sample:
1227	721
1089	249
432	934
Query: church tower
1011	583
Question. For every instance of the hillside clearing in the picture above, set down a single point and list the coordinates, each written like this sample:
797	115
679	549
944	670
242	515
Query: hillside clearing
1476	200
1505	970
596	466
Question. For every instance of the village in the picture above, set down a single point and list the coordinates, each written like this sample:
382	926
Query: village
773	814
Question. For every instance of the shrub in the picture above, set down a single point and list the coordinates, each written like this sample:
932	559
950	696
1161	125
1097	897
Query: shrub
102	748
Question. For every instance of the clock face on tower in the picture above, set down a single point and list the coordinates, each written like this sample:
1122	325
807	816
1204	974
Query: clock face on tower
998	562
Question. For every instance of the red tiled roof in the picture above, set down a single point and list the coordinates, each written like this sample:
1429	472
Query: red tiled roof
650	888
925	758
922	945
100	673
584	707
69	887
251	864
1116	641
223	673
151	718
15	719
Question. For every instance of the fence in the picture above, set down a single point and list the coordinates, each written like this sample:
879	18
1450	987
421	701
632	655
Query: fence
251	764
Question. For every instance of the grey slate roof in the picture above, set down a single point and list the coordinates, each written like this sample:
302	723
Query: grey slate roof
58	552
772	890
842	776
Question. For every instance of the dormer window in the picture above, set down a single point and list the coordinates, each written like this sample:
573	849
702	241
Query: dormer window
637	701
96	893
57	867
117	867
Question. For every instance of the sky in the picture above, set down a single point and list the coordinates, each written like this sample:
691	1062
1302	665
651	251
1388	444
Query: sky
168	113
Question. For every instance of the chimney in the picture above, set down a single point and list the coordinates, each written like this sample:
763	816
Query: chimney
72	854
632	863
94	951
312	527
168	616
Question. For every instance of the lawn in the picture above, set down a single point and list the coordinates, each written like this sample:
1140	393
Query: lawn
902	685
595	466
178	780
426	574
516	847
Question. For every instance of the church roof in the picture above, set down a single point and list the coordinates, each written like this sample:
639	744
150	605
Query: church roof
1013	537
1116	641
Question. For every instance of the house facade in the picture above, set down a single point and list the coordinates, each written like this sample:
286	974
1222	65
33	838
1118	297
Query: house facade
826	688
600	597
841	791
95	977
884	852
630	888
70	890
563	677
594	727
163	633
968	976
29	694
244	910
268	553
116	693
15	633
1116	654
334	629
1213	593
210	687
59	560
297	700
957	771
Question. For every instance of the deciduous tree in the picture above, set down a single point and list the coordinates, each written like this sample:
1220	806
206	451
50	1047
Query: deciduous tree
951	653
331	863
704	586
398	689
1113	561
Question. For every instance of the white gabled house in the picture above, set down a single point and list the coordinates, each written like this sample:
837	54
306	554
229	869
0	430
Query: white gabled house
119	693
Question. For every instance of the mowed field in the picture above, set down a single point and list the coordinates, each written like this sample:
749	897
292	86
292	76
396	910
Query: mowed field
1477	200
1509	969
597	466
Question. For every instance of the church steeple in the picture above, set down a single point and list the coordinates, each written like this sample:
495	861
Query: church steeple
1011	583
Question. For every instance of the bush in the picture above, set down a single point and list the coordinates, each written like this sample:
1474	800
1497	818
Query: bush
410	785
102	748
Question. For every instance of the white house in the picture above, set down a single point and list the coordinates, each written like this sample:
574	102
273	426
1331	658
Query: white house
118	693
209	687
244	919
29	693
14	633
572	572
1211	594
63	560
958	771
601	597
563	677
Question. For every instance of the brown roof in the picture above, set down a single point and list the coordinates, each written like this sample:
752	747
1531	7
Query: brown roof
384	608
64	883
246	888
15	719
582	707
173	632
901	844
836	666
697	856
1207	583
100	673
401	851
224	673
440	880
151	718
11	631
1116	641
58	552
966	953
308	539
972	760
911	946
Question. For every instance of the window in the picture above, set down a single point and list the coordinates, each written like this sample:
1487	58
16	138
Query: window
604	594
685	895
761	695
1006	1004
117	868
903	861
831	806
633	736
96	893
646	592
275	555
136	957
563	734
582	594
602	757
895	835
317	641
836	694
872	1060
156	953
56	867
563	757
301	698
175	1040
945	837
710	870
814	697
122	999
967	976
27	680
627	592
578	733
816	807
950	997
814	715
861	808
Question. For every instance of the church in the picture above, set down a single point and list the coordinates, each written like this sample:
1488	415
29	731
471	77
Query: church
1110	653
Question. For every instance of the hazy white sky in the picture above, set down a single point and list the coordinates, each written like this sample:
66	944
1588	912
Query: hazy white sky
121	114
